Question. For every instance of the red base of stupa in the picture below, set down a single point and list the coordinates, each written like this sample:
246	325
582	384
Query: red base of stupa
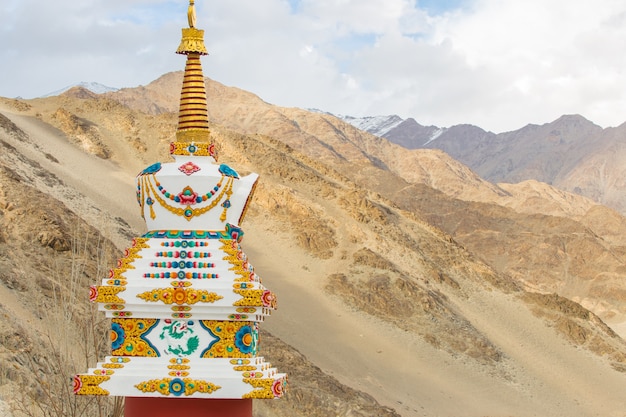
187	407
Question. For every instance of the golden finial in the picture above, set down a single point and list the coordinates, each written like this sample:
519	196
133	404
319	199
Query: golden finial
193	121
191	14
193	39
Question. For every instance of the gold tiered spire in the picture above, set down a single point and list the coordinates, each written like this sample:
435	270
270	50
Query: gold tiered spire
193	119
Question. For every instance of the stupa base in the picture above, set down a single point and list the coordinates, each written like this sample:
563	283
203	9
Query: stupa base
188	407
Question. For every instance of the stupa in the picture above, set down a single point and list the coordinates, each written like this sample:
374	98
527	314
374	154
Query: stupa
184	302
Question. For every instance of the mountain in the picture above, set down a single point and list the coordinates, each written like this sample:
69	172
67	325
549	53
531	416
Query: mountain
404	132
376	125
408	285
571	153
94	87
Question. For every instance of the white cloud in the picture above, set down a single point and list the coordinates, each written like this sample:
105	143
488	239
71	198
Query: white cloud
498	64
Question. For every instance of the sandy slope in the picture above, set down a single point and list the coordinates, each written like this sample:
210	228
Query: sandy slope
541	375
114	193
403	372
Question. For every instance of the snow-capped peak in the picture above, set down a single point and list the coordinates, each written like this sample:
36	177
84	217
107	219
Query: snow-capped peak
94	87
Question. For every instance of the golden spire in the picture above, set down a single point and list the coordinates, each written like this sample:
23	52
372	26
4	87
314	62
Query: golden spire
191	14
193	119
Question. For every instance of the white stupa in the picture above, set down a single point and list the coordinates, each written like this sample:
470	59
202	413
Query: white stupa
184	302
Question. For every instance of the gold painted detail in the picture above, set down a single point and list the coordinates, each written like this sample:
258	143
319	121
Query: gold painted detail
263	388
112	365
178	373
257	375
195	135
178	367
192	42
106	294
181	309
132	253
238	260
249	297
229	246
244	368
90	384
179	296
103	372
137	246
190	147
132	344
227	345
125	263
116	274
177	386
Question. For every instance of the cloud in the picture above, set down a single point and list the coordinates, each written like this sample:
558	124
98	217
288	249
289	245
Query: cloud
498	64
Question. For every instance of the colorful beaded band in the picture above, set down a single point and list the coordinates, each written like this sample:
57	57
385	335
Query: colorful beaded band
182	265
180	275
183	254
231	232
184	244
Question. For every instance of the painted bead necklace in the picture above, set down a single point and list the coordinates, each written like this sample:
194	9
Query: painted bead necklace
187	212
188	195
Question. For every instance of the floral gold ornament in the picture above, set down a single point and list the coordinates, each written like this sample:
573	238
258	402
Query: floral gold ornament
128	337
177	386
105	294
254	297
235	339
193	148
180	296
90	384
266	388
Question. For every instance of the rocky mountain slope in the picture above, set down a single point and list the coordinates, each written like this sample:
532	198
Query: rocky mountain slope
570	153
400	291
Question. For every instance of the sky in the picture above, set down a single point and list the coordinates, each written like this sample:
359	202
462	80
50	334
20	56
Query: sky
496	64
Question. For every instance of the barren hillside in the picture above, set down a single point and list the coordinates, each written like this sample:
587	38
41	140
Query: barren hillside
395	298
